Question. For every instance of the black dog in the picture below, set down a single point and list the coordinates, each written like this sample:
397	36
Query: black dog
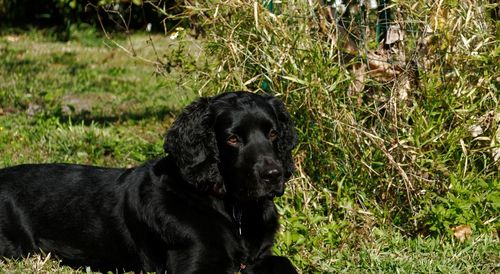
207	207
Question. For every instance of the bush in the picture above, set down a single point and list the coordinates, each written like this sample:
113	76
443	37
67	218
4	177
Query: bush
411	140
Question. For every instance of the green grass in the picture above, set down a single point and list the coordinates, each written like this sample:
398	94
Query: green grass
88	102
386	253
396	254
78	101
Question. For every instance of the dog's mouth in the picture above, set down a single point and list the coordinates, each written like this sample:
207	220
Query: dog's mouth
265	190
257	193
277	192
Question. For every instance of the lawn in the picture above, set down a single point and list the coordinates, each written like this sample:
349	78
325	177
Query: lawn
88	101
83	101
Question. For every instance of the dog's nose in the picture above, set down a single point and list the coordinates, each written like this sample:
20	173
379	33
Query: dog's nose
271	175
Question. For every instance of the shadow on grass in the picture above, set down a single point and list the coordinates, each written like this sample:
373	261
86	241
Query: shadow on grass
88	118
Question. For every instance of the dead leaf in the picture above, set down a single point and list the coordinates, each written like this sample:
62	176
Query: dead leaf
381	68
394	34
462	232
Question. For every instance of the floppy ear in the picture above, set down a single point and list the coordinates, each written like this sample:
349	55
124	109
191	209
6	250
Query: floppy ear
191	142
288	136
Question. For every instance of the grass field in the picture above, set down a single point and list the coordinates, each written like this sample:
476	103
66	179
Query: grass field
86	101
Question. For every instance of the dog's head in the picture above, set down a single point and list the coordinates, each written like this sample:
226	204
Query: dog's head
238	142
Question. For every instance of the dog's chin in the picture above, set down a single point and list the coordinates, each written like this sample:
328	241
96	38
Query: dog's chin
276	193
259	191
263	194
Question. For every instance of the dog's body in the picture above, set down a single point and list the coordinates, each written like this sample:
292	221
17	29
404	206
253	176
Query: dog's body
207	207
114	219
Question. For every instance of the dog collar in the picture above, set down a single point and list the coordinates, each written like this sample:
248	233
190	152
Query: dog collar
237	214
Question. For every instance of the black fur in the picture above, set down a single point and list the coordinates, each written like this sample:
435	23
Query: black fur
207	207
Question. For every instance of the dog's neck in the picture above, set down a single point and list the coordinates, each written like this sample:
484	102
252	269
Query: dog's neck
248	213
255	222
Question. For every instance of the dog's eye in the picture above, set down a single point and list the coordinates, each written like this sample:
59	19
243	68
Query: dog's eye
273	134
233	140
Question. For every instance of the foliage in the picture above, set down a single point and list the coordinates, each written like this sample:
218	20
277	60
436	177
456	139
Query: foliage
384	155
61	15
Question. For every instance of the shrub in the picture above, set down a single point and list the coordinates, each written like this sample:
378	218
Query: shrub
414	144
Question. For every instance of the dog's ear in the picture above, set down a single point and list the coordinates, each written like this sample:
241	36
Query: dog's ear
192	144
288	136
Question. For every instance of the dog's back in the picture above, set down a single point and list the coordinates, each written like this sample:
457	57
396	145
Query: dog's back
54	175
